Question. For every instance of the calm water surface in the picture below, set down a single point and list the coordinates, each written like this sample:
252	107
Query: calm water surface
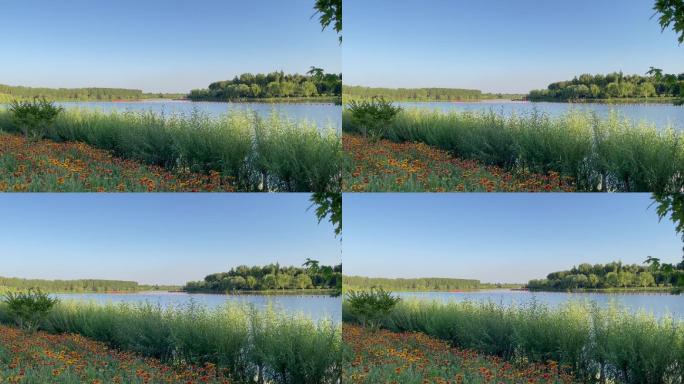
660	114
655	303
314	306
323	114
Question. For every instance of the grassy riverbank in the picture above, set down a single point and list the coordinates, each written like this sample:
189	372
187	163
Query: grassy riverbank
49	166
612	343
238	151
241	342
597	154
386	166
273	292
70	358
415	358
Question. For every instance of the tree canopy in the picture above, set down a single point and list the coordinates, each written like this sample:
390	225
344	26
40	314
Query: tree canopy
310	275
8	92
315	83
413	94
329	205
671	13
81	285
613	275
330	12
417	284
614	85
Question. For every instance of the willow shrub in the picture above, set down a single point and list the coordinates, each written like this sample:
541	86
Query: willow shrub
609	154
275	154
250	343
596	343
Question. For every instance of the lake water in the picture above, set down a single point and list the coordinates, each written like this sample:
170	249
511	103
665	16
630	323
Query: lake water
660	114
655	303
315	306
323	114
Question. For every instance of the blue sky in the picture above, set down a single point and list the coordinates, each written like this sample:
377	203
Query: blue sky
500	45
155	45
157	238
510	237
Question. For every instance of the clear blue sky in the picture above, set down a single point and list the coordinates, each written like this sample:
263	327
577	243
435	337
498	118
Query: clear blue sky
155	45
157	238
510	237
500	45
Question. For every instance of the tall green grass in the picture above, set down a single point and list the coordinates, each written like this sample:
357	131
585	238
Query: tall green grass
261	345
274	154
610	154
598	344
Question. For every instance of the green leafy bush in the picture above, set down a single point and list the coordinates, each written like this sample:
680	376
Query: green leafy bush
373	115
29	309
34	116
372	306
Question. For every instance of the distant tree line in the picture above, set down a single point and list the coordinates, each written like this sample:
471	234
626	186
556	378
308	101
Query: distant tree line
414	94
614	85
417	284
613	275
271	277
272	85
82	285
8	92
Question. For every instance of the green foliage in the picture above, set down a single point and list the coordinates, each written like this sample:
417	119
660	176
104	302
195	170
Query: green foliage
413	94
28	309
416	284
272	85
330	12
611	154
82	285
613	85
270	277
671	12
273	155
671	204
35	116
372	115
611	275
269	346
371	306
600	345
329	205
78	94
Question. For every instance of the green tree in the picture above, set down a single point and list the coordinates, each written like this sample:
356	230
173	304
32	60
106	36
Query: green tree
287	88
671	13
308	89
303	281
646	279
613	90
330	12
373	115
35	116
273	89
329	205
29	309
